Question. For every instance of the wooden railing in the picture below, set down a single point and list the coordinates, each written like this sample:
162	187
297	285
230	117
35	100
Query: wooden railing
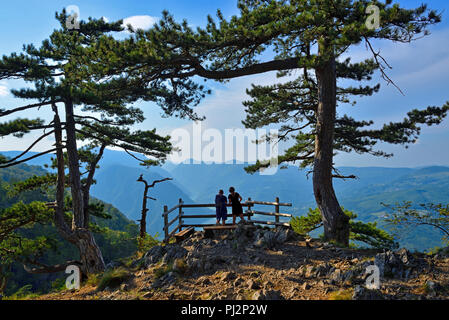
249	214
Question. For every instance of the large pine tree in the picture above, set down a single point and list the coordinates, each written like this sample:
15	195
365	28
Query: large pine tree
88	106
308	36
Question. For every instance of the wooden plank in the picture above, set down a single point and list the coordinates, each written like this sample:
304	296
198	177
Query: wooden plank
287	215
174	231
200	225
180	213
197	225
171	222
184	234
166	238
210	205
228	227
276	209
170	211
272	203
201	216
272	223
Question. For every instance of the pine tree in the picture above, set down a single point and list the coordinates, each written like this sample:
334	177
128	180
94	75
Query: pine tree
67	78
305	35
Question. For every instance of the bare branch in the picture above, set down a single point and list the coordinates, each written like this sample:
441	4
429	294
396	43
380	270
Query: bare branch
7	164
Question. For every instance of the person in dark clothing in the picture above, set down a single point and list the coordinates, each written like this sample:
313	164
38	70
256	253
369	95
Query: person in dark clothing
237	209
220	205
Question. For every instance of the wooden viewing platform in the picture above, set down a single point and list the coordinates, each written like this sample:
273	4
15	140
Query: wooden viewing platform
182	230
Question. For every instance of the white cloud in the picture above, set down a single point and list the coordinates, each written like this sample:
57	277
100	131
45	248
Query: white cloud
140	22
3	91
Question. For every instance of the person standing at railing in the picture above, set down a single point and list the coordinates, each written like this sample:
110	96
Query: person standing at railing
237	209
220	205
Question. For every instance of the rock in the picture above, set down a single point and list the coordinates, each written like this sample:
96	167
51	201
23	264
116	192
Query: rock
267	295
272	295
154	255
238	282
164	281
227	276
174	252
310	272
431	288
322	270
397	264
124	287
207	266
258	296
273	239
113	265
180	266
349	276
337	276
254	274
244	232
252	285
362	293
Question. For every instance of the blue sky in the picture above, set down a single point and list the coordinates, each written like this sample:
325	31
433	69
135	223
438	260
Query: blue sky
421	69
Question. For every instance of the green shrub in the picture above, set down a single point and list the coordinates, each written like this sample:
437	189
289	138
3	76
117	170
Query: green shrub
367	233
162	271
23	293
114	278
341	295
145	244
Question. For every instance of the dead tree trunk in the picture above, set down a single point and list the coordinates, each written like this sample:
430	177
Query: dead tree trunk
143	219
336	223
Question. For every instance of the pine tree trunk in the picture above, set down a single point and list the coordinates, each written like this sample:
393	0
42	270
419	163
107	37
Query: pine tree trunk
336	223
90	254
82	238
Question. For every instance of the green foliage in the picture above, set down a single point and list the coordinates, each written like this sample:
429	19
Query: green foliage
114	278
161	271
303	225
58	285
93	280
28	235
147	242
285	36
360	232
345	294
407	215
22	294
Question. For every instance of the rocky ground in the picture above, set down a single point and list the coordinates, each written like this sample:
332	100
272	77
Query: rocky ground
253	263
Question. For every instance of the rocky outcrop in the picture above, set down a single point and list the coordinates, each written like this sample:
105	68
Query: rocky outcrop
166	254
362	293
399	264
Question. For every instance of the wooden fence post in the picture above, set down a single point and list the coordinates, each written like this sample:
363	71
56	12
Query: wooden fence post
166	223
249	209
276	208
180	214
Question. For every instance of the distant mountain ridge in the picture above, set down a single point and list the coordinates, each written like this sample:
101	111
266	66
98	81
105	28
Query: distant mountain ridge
198	183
